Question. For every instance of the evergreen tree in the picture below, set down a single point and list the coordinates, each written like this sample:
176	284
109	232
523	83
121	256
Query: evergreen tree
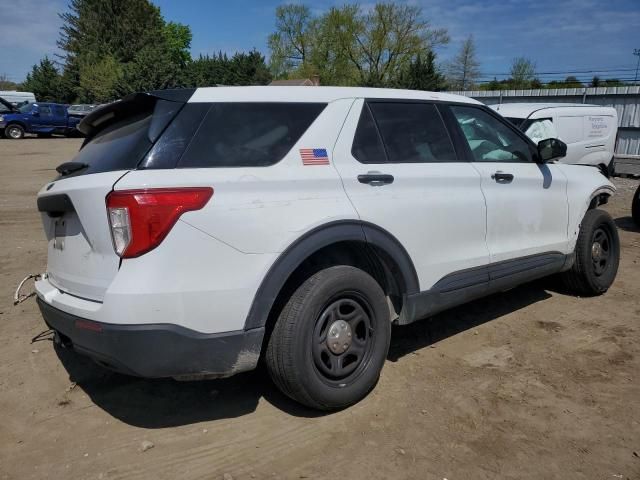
44	81
422	74
142	51
241	69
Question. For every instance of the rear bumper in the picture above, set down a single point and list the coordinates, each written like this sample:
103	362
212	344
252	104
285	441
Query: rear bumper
157	350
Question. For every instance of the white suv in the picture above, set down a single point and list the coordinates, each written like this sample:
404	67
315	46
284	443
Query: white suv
196	230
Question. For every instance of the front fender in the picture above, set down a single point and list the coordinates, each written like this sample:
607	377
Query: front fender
585	187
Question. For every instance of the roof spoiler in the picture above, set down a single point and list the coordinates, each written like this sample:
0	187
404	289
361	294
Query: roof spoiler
108	114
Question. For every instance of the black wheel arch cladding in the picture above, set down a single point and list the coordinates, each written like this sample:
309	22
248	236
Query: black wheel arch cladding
383	243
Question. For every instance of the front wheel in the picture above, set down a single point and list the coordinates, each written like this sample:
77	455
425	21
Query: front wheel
14	132
635	206
331	339
597	255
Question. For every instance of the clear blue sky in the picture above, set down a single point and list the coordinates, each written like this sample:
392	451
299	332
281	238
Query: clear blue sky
557	35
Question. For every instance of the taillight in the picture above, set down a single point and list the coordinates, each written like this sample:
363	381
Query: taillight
141	219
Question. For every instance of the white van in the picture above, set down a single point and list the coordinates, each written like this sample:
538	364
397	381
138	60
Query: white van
588	130
18	98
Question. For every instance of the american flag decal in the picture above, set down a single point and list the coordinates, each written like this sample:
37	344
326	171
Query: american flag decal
314	156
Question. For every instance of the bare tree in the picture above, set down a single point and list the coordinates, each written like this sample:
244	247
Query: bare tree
350	45
290	43
6	84
464	69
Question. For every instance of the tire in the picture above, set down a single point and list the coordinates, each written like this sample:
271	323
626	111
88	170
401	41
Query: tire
635	206
312	369
14	131
597	256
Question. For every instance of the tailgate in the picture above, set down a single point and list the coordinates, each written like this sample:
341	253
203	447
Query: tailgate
81	259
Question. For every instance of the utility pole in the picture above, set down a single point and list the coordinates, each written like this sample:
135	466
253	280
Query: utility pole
636	52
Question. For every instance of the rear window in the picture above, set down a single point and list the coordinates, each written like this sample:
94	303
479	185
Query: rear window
124	143
248	134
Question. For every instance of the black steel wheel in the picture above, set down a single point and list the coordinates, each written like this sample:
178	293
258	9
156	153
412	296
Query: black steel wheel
597	255
331	339
600	250
342	339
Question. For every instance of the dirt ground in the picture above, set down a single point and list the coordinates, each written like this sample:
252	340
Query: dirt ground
529	384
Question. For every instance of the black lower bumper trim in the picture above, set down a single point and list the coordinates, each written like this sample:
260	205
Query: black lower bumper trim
158	350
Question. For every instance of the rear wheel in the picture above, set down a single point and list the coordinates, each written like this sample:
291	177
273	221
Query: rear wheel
331	339
635	206
597	255
14	132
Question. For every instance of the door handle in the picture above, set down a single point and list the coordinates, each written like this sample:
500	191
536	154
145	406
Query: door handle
501	177
376	179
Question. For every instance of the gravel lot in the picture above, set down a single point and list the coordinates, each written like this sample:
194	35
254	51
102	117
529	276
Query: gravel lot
529	384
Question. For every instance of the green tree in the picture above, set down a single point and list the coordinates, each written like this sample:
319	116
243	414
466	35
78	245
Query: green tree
249	69
99	79
572	82
178	38
241	69
131	36
492	85
596	82
423	74
464	69
44	81
351	46
523	71
291	43
613	82
151	69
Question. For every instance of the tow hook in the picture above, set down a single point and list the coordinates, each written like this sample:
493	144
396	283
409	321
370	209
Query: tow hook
19	297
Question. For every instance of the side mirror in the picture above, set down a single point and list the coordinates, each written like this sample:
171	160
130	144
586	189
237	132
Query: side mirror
35	113
551	148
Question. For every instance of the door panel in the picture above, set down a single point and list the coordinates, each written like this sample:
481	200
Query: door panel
435	210
43	122
527	210
526	215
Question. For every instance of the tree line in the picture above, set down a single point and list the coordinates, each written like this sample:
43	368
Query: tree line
110	48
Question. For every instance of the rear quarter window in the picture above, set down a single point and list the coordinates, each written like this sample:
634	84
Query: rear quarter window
248	134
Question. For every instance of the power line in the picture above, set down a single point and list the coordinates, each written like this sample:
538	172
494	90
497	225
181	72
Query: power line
565	72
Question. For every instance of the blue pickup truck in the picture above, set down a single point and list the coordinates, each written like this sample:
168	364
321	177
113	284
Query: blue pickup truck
43	119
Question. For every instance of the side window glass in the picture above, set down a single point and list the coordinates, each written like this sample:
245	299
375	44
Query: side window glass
249	134
367	144
489	139
58	111
413	132
44	110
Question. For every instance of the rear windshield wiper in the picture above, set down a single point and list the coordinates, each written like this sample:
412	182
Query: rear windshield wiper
68	168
